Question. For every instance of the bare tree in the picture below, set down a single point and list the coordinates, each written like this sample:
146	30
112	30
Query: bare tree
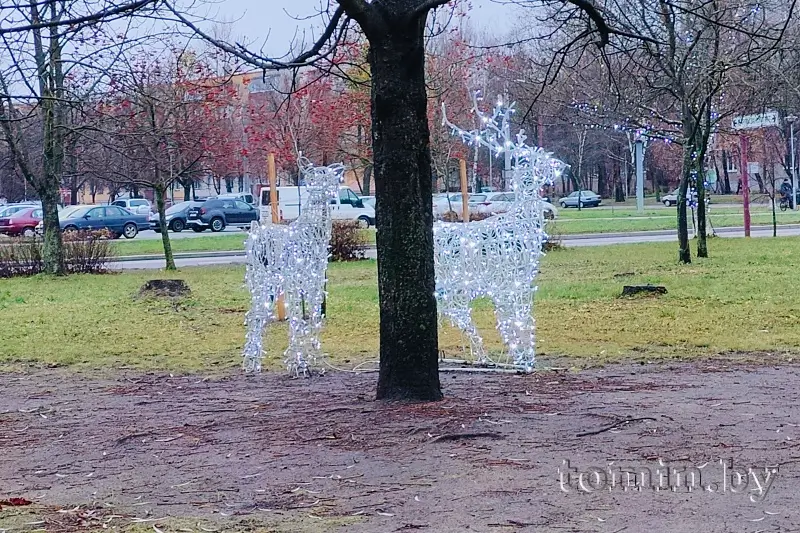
160	123
42	41
667	65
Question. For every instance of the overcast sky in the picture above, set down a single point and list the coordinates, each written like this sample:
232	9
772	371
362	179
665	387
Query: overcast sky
256	19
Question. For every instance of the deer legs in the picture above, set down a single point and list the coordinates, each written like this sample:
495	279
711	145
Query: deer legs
460	316
261	313
516	326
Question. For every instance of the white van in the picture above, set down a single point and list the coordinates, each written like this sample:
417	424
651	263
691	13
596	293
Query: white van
348	206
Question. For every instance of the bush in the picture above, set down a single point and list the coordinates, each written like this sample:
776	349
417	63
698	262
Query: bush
85	252
88	252
554	238
20	257
452	216
347	241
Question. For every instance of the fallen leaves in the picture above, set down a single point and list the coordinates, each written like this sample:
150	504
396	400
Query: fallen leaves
15	502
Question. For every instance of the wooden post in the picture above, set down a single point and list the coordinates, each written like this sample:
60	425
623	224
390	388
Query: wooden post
273	202
273	191
745	185
464	196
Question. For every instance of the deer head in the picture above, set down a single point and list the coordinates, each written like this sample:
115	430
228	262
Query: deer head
322	181
531	168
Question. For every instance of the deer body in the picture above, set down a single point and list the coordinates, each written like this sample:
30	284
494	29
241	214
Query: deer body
291	261
498	257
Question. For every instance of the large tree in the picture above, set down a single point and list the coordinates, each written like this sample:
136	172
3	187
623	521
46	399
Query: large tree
395	31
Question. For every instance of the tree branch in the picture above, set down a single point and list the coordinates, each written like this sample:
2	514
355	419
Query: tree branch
100	15
426	6
361	12
305	59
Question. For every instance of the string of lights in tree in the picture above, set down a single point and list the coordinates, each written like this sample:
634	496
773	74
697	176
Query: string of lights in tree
498	257
646	131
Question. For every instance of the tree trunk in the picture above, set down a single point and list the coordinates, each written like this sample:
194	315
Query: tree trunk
601	180
774	214
702	241
760	182
727	178
52	248
684	252
409	368
160	191
187	191
367	180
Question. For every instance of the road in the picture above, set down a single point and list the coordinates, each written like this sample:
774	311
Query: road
571	241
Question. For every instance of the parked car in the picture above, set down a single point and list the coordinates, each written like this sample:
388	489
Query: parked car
445	205
244	197
500	202
177	216
218	213
580	199
139	206
111	217
369	200
672	198
22	222
10	209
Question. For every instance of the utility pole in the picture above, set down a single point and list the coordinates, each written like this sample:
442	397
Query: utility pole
790	119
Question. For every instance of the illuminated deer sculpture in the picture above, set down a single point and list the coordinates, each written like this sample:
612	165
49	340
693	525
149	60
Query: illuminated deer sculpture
292	261
498	257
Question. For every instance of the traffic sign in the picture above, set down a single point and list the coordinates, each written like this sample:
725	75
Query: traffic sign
751	122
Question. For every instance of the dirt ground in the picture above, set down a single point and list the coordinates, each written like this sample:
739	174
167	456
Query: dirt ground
267	453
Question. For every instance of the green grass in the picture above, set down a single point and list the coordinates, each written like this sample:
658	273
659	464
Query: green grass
209	243
741	299
624	221
570	222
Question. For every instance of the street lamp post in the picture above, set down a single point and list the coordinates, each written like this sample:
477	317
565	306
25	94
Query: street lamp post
790	119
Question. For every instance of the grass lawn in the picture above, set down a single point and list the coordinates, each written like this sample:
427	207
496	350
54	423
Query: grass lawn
570	222
741	299
208	243
624	221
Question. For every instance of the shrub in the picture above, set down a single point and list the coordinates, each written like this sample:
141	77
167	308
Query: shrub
554	237
474	217
452	216
347	241
85	252
88	252
20	257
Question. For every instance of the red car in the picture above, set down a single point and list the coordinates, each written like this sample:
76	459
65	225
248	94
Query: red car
22	222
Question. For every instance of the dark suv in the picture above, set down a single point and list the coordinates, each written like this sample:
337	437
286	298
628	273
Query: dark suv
219	213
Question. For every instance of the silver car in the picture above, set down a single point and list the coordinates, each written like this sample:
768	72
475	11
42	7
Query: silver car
580	199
